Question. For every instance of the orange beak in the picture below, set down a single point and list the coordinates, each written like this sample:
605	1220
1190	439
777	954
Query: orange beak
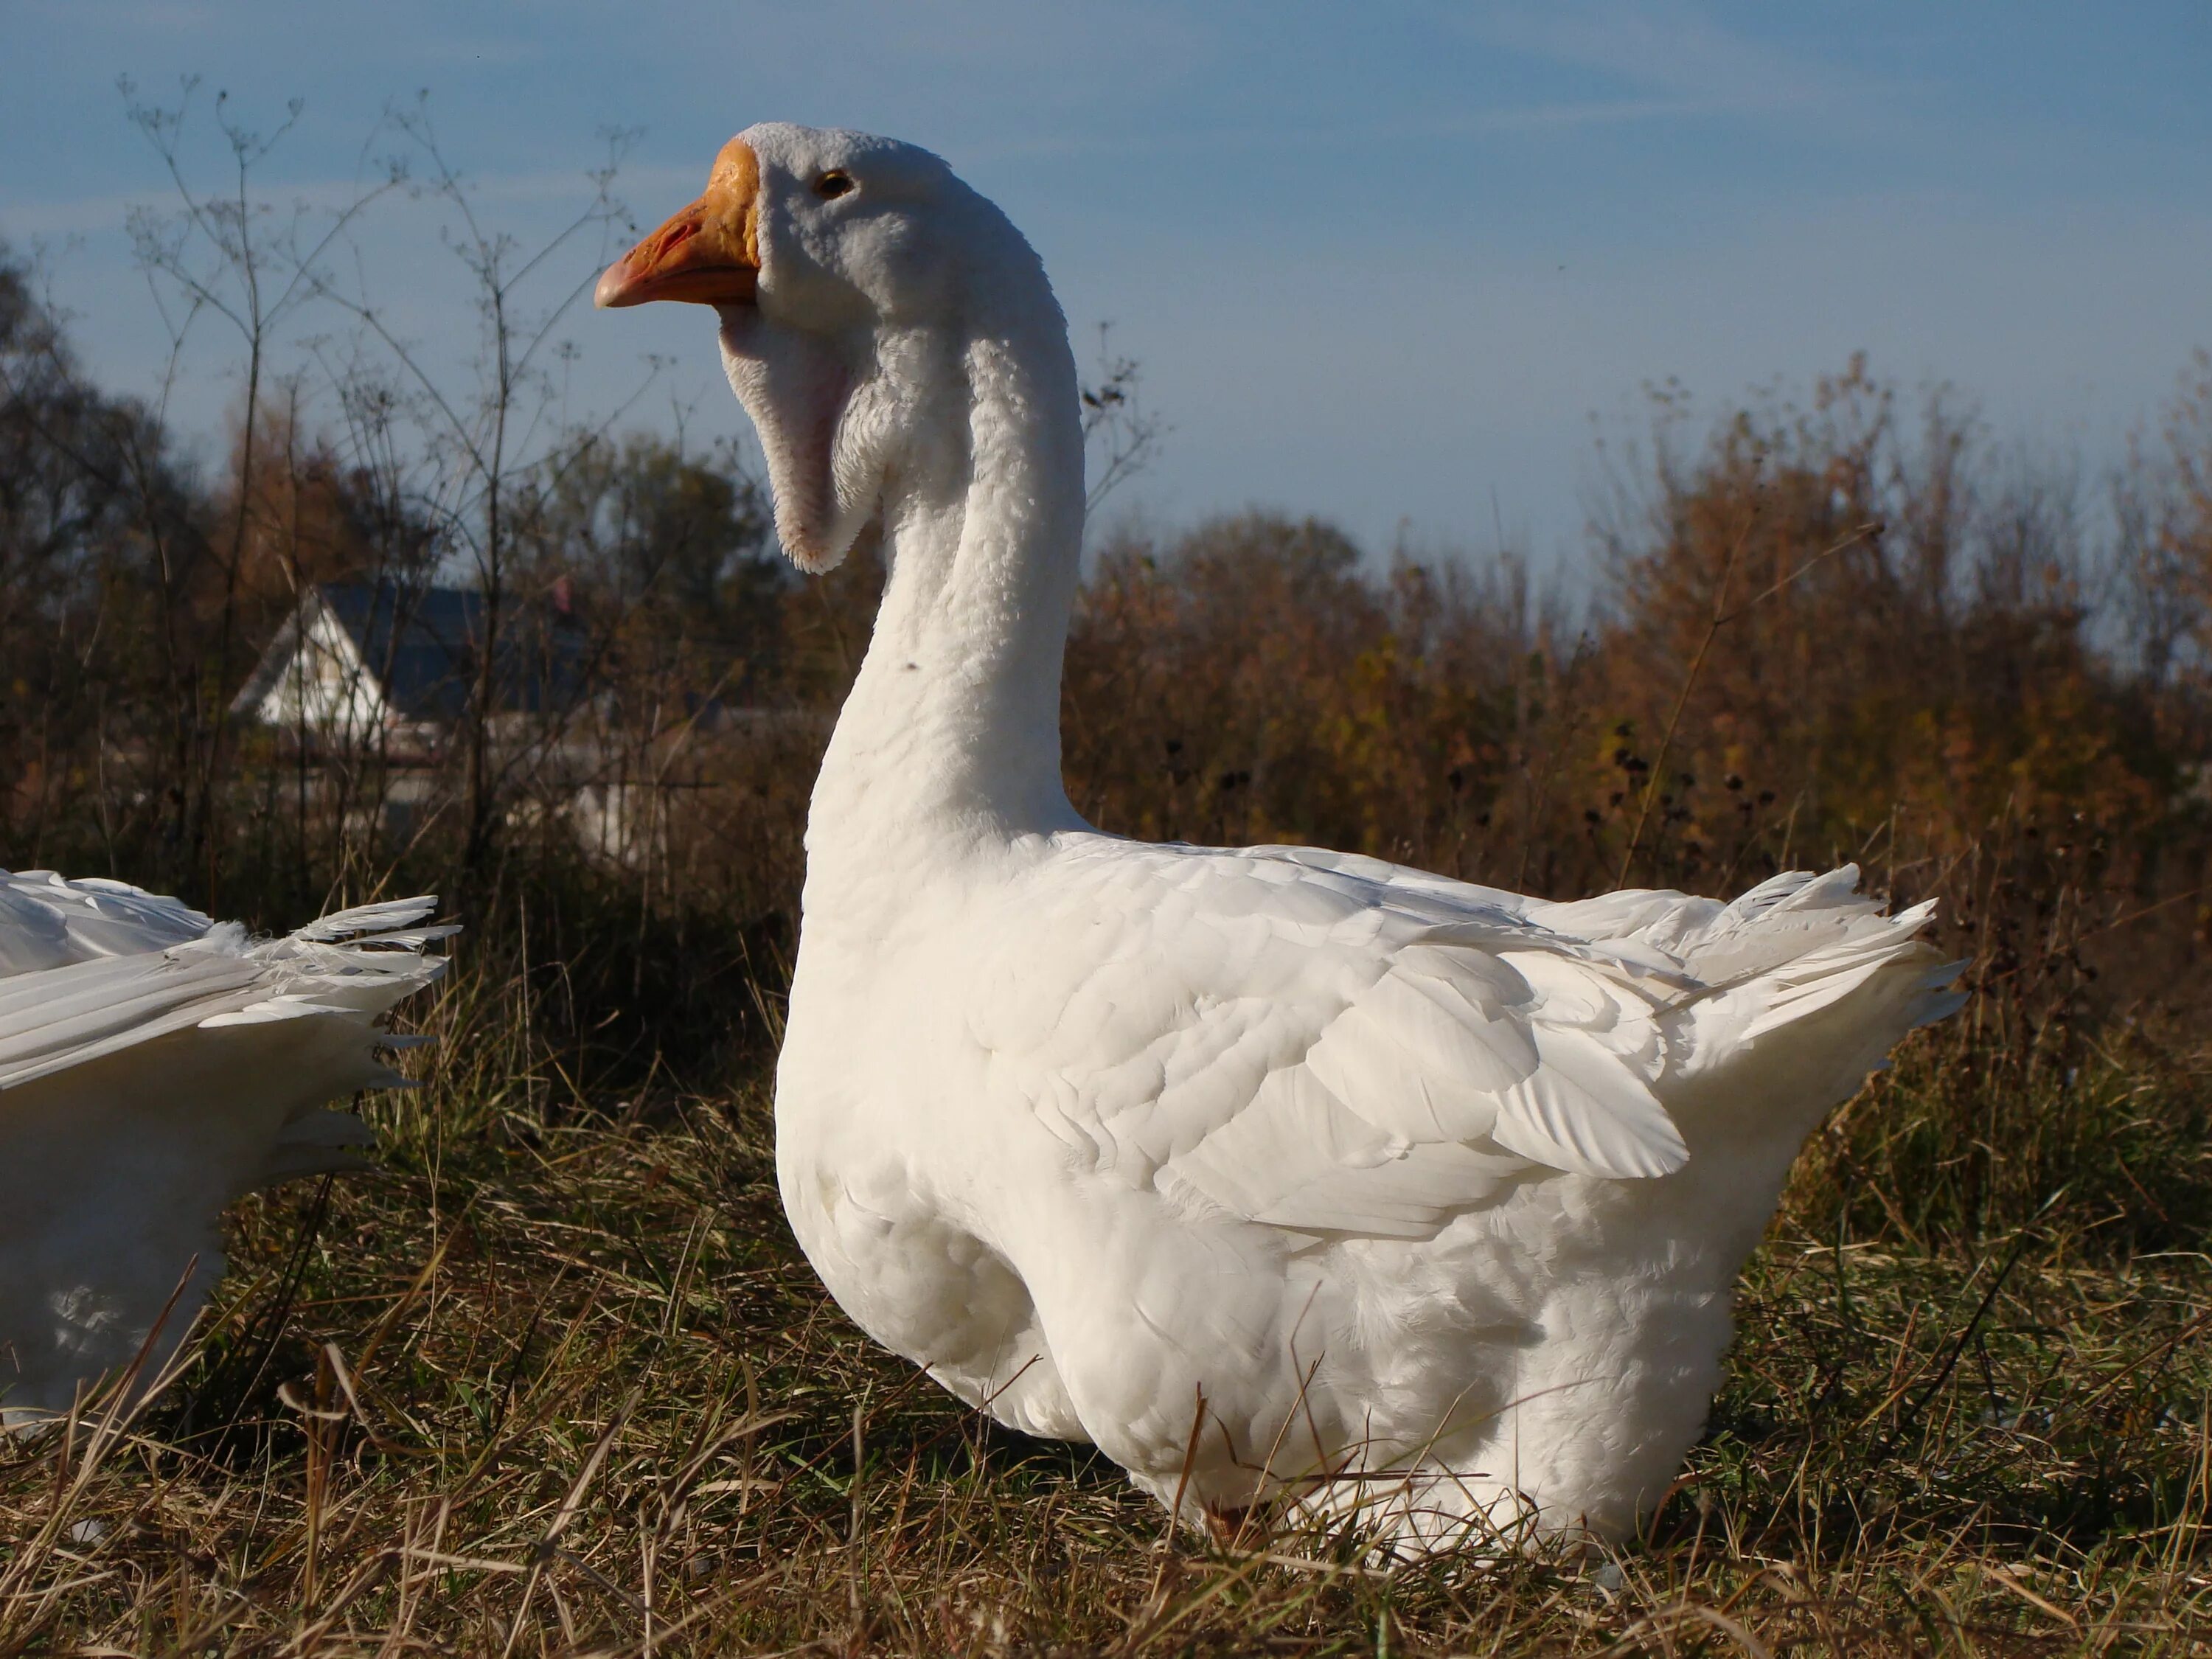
708	253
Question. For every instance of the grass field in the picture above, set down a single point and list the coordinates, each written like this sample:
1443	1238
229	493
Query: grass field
567	1387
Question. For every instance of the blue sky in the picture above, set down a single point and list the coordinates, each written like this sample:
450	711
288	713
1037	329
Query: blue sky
1384	262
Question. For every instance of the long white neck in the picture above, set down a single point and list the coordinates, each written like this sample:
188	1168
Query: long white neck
949	741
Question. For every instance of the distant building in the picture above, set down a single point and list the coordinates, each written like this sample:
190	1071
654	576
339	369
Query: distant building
394	665
373	683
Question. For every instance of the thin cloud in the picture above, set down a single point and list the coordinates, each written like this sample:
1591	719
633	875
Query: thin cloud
1678	50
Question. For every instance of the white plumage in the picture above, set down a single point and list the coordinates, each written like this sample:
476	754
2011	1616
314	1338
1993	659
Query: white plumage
155	1066
1279	1174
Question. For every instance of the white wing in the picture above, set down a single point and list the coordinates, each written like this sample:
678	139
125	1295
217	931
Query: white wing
46	922
155	1066
1307	1043
354	964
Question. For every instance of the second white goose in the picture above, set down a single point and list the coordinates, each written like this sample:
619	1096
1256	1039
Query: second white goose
155	1066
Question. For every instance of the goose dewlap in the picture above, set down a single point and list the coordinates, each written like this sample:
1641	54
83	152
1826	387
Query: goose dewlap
707	253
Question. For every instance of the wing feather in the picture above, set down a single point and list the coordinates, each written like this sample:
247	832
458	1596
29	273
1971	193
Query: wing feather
1300	1043
1584	1109
46	922
354	965
66	1016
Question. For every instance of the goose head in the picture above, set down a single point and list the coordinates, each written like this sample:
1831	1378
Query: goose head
852	276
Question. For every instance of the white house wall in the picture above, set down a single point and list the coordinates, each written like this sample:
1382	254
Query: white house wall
326	688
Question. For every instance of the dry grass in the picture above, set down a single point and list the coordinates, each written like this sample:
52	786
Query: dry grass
559	1381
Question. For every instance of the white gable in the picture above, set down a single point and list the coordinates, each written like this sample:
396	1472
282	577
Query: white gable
324	686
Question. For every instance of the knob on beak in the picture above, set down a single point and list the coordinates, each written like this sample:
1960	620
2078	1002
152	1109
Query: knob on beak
707	253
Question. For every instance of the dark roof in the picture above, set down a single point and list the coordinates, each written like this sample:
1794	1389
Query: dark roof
423	645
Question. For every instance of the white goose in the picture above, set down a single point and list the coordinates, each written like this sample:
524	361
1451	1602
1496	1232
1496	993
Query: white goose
155	1066
1277	1173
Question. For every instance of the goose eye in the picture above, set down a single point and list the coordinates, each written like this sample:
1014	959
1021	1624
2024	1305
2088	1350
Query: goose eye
830	186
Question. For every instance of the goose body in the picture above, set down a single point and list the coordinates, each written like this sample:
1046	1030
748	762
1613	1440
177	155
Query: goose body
1280	1175
155	1066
